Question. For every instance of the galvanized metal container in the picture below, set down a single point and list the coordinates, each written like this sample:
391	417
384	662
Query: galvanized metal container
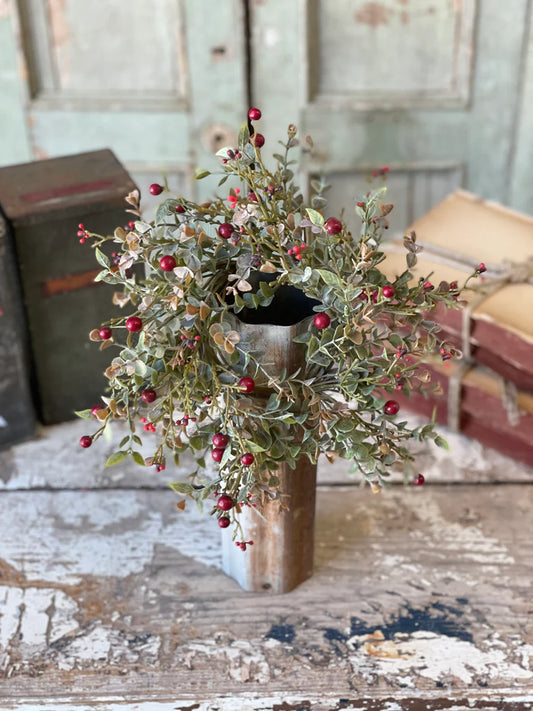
281	556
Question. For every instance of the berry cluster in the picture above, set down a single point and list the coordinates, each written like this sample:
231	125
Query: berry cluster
185	420
232	155
296	251
148	426
82	233
220	442
382	171
190	343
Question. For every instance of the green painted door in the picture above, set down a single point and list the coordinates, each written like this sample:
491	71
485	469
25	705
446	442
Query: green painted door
163	84
439	90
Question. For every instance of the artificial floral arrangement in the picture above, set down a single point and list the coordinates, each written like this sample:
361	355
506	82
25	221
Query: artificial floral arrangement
184	372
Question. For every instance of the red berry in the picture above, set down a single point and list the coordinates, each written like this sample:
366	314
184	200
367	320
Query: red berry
167	263
148	395
246	384
419	480
388	291
86	441
156	189
252	197
225	502
105	333
333	226
180	209
220	440
247	459
254	114
322	320
224	522
226	230
481	268
391	407
134	323
258	140
95	409
217	454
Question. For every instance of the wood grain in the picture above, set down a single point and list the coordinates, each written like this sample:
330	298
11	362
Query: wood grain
112	597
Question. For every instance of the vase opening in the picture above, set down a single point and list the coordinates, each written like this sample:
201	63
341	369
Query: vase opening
288	307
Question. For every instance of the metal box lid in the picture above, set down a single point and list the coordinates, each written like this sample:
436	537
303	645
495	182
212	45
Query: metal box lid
31	191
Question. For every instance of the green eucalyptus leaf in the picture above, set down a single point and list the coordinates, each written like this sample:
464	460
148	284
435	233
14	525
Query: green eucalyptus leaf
244	136
330	278
199	174
138	458
84	414
101	258
441	442
315	217
181	487
116	458
102	276
197	442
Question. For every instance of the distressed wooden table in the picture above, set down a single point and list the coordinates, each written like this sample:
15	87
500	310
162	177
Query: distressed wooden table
110	599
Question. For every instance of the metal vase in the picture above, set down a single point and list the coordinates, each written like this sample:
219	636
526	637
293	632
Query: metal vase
281	556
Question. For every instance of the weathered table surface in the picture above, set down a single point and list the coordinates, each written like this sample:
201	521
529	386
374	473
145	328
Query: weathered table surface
111	599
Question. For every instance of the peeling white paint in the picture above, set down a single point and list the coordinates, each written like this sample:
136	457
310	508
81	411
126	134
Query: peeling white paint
39	616
105	646
247	662
104	536
436	657
251	702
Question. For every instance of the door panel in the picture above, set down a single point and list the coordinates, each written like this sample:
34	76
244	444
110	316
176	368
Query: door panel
440	91
432	89
428	42
149	80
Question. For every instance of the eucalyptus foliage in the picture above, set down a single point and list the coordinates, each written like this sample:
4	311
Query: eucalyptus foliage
191	353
